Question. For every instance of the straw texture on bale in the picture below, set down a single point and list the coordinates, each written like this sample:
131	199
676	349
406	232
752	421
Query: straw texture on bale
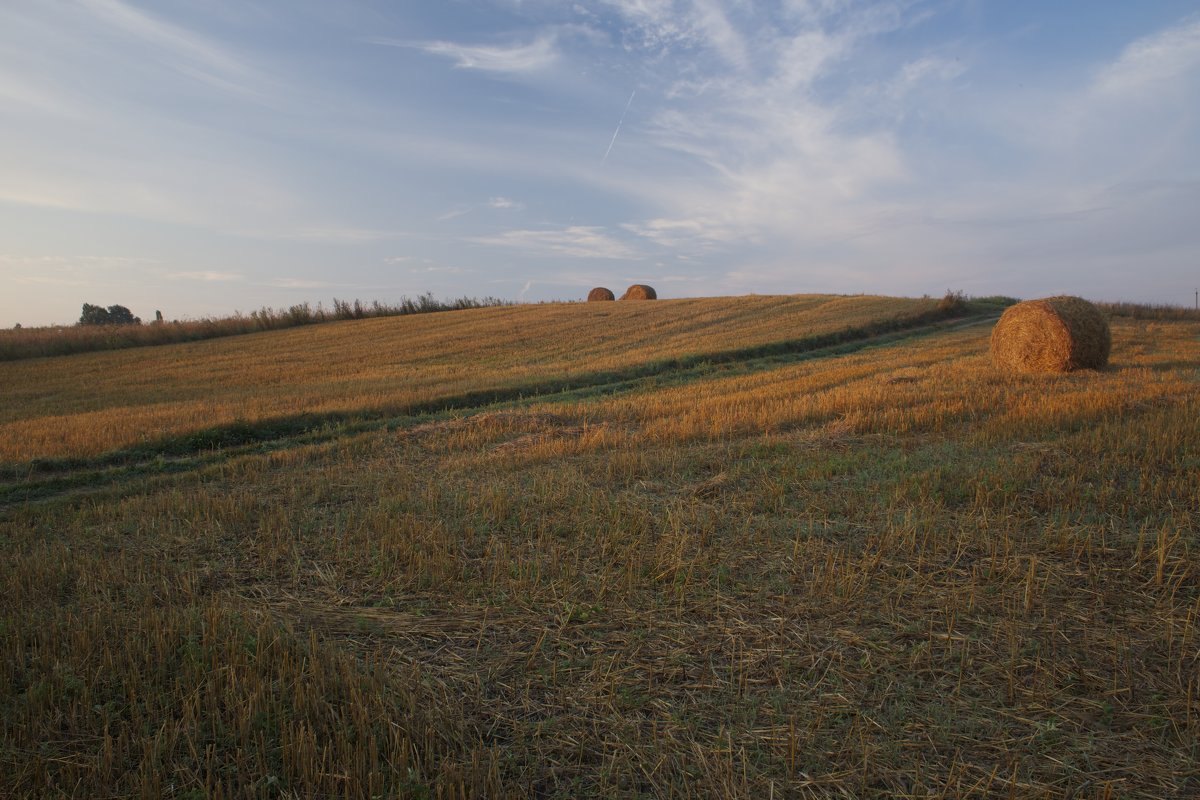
1057	334
600	293
640	291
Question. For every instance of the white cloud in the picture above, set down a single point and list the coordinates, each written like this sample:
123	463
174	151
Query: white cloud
25	91
578	241
811	189
813	12
804	56
1135	120
300	283
780	146
671	233
71	270
1153	60
777	160
928	68
185	51
506	203
656	23
323	235
718	31
438	268
453	213
50	280
207	276
73	260
538	54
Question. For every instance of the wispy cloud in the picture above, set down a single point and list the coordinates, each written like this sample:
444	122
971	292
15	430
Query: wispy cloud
675	234
185	51
818	144
325	235
1134	120
1153	61
655	25
792	180
71	270
11	259
300	283
49	280
439	269
920	72
27	92
506	203
578	241
772	158
207	276
453	213
536	55
724	38
498	203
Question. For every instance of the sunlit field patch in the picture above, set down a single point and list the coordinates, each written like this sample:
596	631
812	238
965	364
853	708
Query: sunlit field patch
89	403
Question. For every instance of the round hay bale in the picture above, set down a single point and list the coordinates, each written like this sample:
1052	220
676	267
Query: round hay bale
600	293
640	291
1057	334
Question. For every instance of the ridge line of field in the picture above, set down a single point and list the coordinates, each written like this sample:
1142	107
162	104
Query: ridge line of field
203	448
57	341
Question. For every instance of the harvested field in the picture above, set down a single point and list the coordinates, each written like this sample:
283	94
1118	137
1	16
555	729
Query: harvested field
880	572
87	404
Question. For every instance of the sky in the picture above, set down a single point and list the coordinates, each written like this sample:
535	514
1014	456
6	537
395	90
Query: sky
201	157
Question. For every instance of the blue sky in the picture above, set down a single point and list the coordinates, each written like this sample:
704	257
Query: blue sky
202	156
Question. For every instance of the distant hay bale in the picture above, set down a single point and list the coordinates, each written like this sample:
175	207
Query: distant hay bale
600	293
640	291
1057	334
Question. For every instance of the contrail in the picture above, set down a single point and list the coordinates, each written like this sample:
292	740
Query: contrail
619	123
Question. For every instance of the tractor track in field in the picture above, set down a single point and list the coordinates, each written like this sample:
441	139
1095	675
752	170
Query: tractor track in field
45	480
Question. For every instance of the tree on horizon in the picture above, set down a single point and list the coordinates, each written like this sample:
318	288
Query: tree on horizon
113	315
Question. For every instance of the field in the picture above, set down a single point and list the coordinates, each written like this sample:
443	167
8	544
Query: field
90	404
61	340
739	547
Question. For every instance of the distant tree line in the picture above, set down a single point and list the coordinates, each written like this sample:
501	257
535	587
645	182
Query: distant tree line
116	327
1149	311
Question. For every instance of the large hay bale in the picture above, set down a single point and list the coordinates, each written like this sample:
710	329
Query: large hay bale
640	291
1057	334
600	293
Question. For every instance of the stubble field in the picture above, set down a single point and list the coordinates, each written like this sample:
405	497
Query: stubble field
747	547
